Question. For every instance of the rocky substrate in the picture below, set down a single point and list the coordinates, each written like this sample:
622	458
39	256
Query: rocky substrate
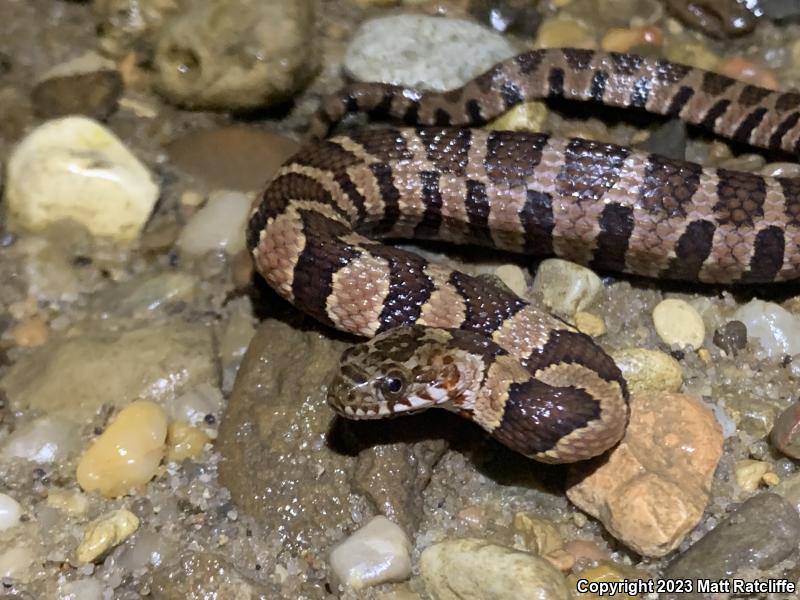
163	426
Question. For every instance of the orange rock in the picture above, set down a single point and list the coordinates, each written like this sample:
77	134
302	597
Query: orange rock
31	332
651	490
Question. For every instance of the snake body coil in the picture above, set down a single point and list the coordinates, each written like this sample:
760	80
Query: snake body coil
525	376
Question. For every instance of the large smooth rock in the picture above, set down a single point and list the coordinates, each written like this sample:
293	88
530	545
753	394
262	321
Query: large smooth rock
74	168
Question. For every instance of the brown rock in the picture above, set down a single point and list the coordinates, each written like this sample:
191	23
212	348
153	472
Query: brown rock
785	434
93	94
237	158
651	490
289	463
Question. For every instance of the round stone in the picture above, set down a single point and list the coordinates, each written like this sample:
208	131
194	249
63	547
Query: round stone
678	323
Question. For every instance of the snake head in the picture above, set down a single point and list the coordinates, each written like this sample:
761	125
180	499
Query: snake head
389	375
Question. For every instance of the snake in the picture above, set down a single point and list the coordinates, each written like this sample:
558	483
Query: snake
437	337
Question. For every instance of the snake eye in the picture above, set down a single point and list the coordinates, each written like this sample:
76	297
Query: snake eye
393	384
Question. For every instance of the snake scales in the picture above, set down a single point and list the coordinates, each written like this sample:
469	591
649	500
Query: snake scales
444	338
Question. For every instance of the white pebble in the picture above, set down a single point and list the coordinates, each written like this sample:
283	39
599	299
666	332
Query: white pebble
193	406
677	322
10	512
566	287
74	168
15	561
82	589
219	225
776	328
44	440
377	553
422	51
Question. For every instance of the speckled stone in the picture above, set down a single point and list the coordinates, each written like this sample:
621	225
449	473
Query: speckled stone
474	569
421	51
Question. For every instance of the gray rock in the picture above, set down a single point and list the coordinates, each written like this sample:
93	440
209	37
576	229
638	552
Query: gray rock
780	9
426	52
667	140
92	94
236	54
758	535
75	376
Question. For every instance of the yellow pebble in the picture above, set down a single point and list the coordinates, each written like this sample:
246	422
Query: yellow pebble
540	535
562	33
649	370
528	116
678	323
590	324
72	502
31	332
704	355
184	441
128	453
770	478
104	533
749	474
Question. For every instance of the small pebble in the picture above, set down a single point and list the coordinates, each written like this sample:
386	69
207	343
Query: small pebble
74	168
590	324
678	323
219	225
513	277
625	40
527	116
731	337
539	535
564	33
16	561
31	332
777	330
749	473
379	552
785	434
566	287
128	452
781	169
646	369
10	512
105	533
474	569
70	501
184	442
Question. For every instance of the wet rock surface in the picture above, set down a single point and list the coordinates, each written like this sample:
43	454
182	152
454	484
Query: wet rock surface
757	535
